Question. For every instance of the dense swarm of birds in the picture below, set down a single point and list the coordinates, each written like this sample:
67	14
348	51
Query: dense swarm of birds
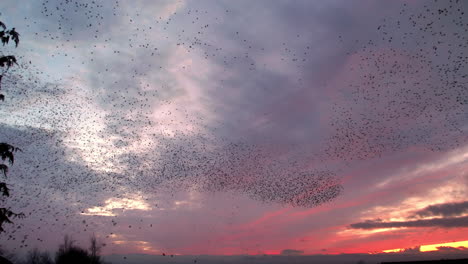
410	88
413	92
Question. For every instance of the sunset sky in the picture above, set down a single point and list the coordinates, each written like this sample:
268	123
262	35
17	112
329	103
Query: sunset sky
238	127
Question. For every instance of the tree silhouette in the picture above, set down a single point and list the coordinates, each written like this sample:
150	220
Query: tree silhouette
5	35
95	250
6	258
68	253
37	257
6	61
73	255
6	150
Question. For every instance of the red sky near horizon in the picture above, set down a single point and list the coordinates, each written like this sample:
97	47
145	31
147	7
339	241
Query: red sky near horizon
238	127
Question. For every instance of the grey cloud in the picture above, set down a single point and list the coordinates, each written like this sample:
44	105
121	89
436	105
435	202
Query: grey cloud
76	21
436	222
48	188
451	249
416	249
257	91
119	91
292	252
254	99
445	210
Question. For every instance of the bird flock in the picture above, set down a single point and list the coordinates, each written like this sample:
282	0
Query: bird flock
129	129
413	92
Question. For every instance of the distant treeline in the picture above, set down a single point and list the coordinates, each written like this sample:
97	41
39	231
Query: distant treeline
67	253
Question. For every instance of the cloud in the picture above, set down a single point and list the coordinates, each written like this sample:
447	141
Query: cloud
136	109
451	249
447	209
436	222
416	249
292	252
112	204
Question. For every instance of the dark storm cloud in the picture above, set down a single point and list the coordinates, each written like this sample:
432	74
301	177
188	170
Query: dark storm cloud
445	210
449	222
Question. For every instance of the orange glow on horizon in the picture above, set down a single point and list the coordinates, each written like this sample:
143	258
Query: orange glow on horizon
272	252
432	247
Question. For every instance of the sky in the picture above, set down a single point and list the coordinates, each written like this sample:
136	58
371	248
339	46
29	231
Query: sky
238	127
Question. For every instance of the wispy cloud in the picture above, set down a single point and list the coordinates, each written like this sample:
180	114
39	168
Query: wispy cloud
435	222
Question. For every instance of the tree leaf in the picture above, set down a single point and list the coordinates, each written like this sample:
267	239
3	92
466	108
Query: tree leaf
4	189
14	36
4	169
